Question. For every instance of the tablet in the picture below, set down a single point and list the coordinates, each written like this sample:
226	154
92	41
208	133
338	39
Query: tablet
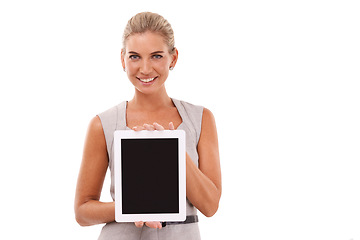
150	175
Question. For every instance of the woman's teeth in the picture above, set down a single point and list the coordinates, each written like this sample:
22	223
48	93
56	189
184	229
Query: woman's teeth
147	80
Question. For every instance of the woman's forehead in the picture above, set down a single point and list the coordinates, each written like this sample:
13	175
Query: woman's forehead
147	42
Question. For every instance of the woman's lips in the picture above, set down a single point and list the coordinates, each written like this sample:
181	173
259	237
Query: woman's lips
146	80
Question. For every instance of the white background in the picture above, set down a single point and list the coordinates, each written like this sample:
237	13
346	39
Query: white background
281	77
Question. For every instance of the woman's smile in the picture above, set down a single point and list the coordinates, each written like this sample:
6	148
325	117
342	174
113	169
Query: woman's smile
146	80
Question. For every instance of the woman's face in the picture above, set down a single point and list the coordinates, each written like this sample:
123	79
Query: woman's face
147	61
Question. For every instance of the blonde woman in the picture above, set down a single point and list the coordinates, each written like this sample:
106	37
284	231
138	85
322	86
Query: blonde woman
147	56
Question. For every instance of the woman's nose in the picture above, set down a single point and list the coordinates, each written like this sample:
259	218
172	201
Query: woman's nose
145	67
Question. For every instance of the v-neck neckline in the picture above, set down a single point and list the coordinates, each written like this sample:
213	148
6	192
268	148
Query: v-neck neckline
174	102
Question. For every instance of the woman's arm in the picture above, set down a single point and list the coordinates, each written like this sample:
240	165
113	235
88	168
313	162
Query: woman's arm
88	209
203	184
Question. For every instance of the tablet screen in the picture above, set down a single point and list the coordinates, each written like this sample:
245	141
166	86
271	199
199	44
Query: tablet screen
150	175
150	181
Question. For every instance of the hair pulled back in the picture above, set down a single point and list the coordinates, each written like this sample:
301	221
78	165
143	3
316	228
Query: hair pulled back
148	21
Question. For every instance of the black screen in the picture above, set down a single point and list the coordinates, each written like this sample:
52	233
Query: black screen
150	176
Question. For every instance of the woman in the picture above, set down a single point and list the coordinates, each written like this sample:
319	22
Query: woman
147	56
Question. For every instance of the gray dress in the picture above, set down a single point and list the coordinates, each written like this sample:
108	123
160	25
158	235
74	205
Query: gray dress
115	119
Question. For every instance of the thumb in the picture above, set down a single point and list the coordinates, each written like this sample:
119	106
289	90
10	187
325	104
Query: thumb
139	224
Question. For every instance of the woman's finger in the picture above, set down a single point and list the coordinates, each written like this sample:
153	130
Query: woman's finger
149	127
171	126
139	224
138	128
154	225
158	126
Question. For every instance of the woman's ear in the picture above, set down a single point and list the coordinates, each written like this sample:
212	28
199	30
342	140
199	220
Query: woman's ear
123	59
175	56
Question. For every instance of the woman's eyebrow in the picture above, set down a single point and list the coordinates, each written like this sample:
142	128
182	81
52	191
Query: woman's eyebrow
157	52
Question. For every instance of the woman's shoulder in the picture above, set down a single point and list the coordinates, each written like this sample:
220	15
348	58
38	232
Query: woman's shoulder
111	114
192	114
198	113
113	110
110	118
189	107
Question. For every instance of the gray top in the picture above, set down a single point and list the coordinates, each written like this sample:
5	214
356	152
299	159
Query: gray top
115	119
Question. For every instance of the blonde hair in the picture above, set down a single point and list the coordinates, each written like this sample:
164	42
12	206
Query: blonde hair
148	21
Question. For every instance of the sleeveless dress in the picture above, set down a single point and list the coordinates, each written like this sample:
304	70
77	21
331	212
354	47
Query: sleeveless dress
115	119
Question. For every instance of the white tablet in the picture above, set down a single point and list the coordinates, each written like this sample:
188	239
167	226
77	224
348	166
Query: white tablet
150	175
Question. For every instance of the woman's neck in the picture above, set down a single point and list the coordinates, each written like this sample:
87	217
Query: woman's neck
150	102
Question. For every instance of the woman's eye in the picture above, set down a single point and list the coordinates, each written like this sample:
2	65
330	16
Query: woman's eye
157	56
134	57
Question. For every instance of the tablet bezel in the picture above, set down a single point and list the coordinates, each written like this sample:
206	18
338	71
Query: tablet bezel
130	134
